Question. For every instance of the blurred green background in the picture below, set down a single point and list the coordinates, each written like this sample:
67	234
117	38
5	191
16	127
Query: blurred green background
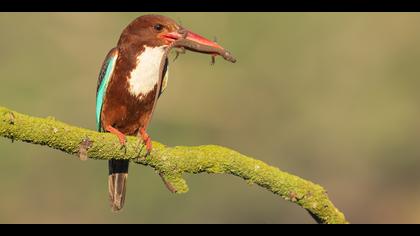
331	97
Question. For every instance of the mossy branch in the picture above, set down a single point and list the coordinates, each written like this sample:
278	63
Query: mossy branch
170	162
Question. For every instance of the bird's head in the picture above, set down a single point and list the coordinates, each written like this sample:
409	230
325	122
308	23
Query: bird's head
157	30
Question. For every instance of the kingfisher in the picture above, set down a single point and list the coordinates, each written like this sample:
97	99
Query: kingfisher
129	85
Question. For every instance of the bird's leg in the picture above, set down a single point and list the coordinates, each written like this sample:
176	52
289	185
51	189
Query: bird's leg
146	140
121	136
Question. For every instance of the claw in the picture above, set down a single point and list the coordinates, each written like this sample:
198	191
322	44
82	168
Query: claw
121	136
148	146
146	140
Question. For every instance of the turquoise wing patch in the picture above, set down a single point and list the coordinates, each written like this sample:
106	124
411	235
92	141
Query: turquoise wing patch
105	75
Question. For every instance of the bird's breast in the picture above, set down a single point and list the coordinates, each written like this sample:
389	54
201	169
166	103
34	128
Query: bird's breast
145	75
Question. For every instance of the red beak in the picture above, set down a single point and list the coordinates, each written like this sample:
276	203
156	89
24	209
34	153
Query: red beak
184	33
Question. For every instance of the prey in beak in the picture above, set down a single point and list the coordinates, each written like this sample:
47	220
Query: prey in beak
186	39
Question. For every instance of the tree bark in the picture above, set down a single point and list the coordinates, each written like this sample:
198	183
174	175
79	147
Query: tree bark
170	162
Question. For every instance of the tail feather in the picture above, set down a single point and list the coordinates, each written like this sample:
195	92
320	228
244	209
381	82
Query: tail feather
117	183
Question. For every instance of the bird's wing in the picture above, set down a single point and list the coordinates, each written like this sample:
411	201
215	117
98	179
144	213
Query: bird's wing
164	80
105	75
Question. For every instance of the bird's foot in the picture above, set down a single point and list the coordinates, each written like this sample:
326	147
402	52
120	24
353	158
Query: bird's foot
145	138
121	137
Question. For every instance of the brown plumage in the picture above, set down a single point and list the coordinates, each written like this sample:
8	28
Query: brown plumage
122	112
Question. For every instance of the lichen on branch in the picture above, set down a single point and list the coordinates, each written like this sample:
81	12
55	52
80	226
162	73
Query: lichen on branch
170	162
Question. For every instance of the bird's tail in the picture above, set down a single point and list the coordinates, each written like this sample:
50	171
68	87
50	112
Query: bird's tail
117	183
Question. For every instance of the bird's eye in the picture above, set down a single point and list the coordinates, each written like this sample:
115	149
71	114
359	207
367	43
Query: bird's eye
158	27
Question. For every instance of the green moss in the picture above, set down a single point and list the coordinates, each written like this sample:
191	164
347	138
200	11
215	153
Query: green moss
172	162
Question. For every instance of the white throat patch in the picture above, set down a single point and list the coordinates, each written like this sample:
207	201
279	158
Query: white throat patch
145	75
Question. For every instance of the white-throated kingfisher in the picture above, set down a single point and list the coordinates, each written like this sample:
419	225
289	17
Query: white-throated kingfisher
127	87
